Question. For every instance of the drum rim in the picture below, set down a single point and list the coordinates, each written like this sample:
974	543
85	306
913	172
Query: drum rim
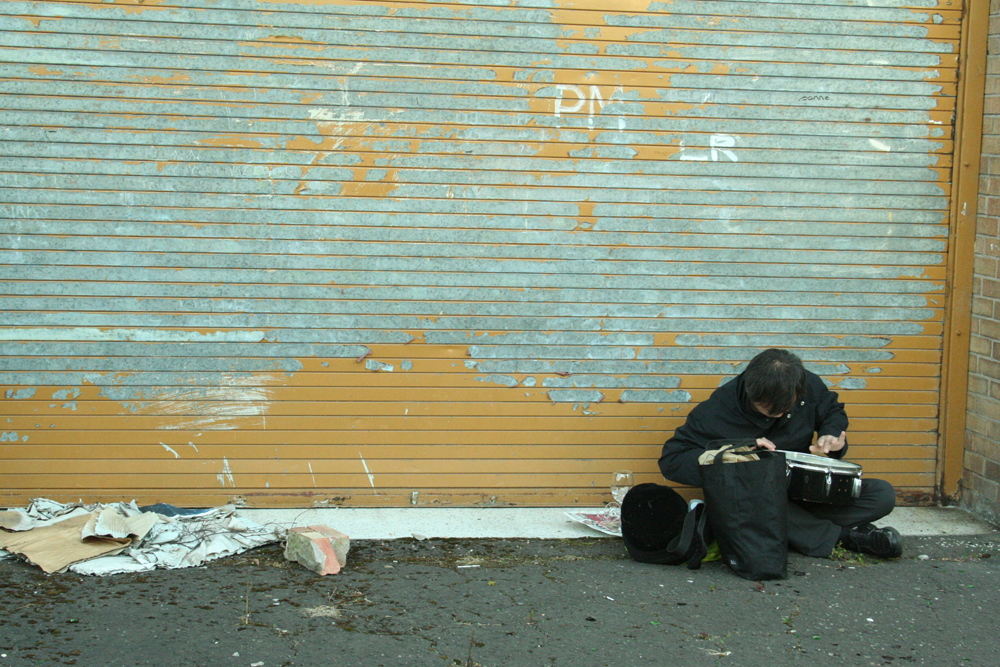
835	466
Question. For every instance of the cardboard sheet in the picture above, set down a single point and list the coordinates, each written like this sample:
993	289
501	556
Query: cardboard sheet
54	548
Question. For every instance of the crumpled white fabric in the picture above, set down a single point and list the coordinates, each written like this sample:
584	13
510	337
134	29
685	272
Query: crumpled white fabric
172	542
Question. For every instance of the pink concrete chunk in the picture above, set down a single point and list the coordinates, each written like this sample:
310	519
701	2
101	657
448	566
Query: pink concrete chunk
318	548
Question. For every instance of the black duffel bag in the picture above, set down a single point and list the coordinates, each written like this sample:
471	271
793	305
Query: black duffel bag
747	502
659	526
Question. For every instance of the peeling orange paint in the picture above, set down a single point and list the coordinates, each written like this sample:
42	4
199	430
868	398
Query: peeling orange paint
254	75
233	141
130	6
165	80
377	189
285	42
37	20
42	70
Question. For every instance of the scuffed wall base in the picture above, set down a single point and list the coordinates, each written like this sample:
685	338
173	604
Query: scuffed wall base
980	493
981	497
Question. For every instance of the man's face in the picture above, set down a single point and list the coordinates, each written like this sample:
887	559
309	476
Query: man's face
766	410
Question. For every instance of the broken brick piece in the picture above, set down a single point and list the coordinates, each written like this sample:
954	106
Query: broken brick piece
318	548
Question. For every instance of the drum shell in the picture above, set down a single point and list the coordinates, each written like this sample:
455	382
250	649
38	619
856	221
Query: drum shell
820	479
816	486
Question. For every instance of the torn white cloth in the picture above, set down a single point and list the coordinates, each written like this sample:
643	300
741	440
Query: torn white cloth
158	540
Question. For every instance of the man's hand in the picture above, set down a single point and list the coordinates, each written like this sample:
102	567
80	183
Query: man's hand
828	443
766	444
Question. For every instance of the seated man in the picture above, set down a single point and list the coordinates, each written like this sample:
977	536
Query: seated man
781	404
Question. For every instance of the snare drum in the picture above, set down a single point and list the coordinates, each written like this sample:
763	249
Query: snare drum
819	479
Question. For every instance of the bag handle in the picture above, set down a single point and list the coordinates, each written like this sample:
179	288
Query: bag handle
692	537
746	442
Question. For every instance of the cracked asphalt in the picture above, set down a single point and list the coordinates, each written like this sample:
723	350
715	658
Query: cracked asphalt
512	602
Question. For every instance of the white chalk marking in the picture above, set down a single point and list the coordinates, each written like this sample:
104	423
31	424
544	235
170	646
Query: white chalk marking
309	463
371	477
167	447
227	473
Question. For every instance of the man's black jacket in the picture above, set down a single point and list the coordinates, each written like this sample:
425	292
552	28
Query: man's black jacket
728	415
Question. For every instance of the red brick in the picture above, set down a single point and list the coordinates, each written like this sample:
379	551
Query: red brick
977	424
989	184
980	485
979	385
976	442
981	345
985	407
975	462
985	266
989	328
991	142
991	246
990	128
987	225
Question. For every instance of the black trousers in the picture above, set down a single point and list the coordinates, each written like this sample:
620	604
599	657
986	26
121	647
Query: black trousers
814	528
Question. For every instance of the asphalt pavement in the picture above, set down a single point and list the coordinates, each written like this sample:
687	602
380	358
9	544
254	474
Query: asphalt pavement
509	602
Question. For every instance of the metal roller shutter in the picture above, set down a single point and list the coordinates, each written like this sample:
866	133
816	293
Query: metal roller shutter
370	253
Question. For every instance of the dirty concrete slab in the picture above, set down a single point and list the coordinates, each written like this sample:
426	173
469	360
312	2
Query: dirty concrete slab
387	523
460	602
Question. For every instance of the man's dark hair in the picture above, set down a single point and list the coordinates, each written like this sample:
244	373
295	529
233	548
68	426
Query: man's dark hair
775	379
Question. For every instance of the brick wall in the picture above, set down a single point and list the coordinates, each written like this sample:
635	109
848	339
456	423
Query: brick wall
981	481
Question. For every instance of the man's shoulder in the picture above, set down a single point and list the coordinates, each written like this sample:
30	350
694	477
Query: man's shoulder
815	383
724	399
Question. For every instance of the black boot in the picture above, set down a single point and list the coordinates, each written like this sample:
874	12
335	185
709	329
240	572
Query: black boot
881	542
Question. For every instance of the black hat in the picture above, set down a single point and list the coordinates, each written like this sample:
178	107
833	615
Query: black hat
653	526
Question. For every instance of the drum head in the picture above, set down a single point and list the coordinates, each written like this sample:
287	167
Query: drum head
822	462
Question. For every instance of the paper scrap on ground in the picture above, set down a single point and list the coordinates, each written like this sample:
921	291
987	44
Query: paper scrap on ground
151	540
604	521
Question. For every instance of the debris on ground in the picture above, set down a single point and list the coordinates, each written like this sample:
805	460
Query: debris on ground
122	537
318	548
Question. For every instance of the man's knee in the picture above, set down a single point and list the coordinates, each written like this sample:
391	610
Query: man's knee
879	495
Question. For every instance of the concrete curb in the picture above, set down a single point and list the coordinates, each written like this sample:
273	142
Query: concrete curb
542	522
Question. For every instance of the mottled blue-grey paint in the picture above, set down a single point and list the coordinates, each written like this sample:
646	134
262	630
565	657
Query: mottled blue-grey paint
771	175
505	380
19	394
373	365
645	396
574	396
852	383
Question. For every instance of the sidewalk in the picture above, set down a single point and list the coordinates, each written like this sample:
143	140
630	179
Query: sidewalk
539	523
538	601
